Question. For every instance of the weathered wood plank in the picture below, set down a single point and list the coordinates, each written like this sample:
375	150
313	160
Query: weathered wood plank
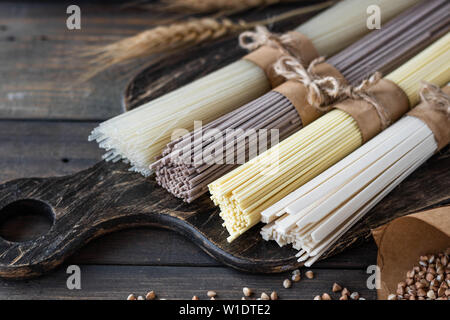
45	148
40	60
41	64
151	246
116	282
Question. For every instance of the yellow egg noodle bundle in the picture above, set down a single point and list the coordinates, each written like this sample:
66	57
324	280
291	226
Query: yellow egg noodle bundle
255	186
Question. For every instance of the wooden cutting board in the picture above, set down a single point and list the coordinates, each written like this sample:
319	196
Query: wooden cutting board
107	197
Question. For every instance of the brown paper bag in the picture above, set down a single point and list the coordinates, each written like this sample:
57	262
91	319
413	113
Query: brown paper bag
402	241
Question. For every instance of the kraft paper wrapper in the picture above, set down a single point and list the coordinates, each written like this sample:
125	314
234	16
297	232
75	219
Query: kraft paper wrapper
388	95
265	56
296	93
437	121
402	241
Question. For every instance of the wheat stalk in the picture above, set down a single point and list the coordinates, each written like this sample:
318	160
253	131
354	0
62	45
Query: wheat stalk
207	6
177	36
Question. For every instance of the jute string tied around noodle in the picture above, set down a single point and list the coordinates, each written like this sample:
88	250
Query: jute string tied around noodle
434	111
311	90
321	90
267	47
360	92
374	104
435	98
252	40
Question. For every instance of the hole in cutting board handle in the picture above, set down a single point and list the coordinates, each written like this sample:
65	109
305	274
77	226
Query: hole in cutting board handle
25	220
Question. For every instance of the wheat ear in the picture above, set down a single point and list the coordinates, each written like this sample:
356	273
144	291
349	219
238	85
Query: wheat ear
177	36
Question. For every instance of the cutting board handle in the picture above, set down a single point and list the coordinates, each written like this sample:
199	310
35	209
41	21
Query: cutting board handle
83	206
108	197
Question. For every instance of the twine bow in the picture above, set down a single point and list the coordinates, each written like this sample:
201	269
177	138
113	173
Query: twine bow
360	93
320	90
435	98
252	40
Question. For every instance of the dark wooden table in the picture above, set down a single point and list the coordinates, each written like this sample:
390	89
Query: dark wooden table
45	118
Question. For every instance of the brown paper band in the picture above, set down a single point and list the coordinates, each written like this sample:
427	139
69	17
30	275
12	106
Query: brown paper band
296	93
402	241
437	121
388	95
265	56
